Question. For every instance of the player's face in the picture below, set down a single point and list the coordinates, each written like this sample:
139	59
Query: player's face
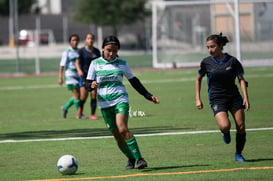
89	40
213	48
74	42
110	52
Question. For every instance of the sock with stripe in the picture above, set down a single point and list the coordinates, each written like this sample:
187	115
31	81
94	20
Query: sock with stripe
133	146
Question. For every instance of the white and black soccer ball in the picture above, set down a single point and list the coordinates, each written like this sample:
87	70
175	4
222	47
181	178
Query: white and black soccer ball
67	165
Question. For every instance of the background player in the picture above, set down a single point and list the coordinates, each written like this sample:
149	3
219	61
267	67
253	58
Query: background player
86	55
221	70
67	67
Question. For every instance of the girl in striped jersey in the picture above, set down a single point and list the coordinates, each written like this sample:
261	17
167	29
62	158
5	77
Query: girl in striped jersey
106	74
68	68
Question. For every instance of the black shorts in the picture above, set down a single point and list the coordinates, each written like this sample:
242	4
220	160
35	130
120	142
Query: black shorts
85	83
226	104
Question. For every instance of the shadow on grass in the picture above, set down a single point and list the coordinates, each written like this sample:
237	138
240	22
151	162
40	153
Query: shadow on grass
172	167
259	160
91	132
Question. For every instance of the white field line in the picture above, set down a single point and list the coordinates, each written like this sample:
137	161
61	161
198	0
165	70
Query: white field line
137	135
160	81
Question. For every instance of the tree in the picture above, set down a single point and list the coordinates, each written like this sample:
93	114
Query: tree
24	7
112	13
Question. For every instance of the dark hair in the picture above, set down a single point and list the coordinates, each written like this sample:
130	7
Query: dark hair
73	35
111	40
89	34
218	39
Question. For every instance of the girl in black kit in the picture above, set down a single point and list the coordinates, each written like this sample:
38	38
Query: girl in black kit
221	70
86	55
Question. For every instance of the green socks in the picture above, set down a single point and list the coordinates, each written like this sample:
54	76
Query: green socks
72	101
126	151
76	103
69	103
133	146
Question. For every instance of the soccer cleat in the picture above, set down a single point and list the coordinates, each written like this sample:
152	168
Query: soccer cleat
226	137
82	117
239	157
64	113
130	164
79	113
93	117
141	163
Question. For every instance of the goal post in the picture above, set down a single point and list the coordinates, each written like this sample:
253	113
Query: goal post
179	28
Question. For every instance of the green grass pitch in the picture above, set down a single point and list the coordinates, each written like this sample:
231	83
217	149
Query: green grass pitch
30	110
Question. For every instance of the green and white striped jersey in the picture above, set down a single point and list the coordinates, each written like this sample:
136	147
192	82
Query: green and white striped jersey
109	76
68	60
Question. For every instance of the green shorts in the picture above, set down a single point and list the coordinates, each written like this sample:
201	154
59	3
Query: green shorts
72	86
109	114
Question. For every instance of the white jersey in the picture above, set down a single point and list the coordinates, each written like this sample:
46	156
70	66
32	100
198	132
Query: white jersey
109	76
68	60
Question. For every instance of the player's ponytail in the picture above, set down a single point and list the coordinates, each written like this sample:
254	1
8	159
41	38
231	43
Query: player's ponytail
223	39
218	39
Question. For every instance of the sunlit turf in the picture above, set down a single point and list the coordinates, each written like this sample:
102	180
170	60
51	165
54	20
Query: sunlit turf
30	110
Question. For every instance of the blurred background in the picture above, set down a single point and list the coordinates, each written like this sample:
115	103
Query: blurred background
155	33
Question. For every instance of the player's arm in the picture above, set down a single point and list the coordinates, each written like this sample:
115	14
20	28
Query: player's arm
199	104
62	67
91	76
138	86
78	67
61	71
244	84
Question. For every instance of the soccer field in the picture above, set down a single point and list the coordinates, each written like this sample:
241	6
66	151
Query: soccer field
178	141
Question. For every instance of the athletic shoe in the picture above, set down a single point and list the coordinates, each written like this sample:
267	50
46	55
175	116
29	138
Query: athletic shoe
64	113
226	137
79	112
141	163
82	117
130	164
93	117
239	157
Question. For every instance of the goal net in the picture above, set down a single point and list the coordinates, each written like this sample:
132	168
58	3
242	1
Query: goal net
180	29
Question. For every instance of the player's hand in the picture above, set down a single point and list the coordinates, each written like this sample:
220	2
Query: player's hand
246	104
155	100
80	73
94	85
60	81
199	104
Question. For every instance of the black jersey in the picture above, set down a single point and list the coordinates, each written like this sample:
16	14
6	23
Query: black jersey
85	57
221	76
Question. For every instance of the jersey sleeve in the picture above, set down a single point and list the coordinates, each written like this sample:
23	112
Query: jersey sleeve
80	58
127	72
63	59
202	71
238	68
91	71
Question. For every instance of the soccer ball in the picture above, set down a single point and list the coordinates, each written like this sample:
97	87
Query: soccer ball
67	165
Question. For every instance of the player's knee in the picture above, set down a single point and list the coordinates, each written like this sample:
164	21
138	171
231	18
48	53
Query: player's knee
240	128
224	127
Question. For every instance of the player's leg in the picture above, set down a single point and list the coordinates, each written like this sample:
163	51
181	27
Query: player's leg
83	97
224	125
124	149
239	117
70	101
65	108
76	97
220	111
122	111
109	117
93	103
